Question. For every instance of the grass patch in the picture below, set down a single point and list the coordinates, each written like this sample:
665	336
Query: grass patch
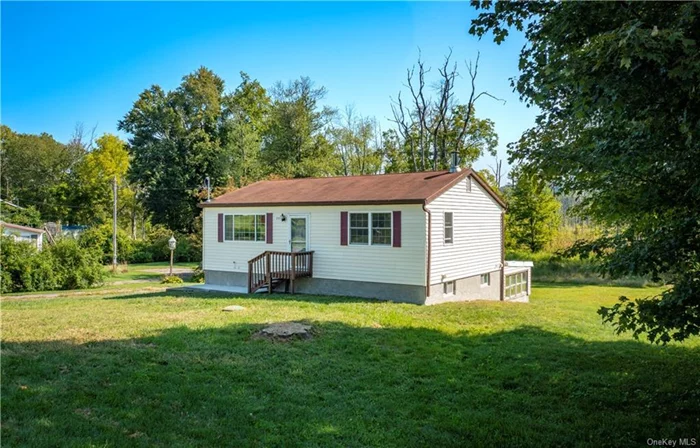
162	369
144	271
553	268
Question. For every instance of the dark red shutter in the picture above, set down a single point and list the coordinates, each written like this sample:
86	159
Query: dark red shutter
343	228
268	229
397	229
221	227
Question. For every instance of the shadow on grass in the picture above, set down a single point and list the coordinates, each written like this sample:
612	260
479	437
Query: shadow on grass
202	294
348	386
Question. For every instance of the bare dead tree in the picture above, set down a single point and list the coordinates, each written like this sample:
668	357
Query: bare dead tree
404	128
497	172
427	123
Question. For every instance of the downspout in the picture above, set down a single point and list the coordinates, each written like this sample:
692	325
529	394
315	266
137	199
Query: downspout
427	268
503	256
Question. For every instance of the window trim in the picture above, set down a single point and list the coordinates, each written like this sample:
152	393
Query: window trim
444	228
369	227
233	227
488	279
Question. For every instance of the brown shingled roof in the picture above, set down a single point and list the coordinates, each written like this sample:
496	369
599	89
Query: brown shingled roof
405	188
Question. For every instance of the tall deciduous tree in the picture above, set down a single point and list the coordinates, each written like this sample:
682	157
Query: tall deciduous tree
176	143
296	142
93	179
246	124
35	171
533	212
358	144
617	86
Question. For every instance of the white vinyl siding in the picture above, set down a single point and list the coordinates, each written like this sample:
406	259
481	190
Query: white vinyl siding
476	228
370	263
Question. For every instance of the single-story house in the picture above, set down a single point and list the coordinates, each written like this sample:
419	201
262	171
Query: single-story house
426	238
23	233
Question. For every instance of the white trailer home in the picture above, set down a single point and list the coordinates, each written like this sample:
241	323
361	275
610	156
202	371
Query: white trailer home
425	238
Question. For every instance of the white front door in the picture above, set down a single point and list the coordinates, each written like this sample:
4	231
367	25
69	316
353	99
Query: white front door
299	233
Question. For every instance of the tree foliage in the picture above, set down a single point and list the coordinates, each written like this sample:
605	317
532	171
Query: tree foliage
35	172
296	144
533	212
617	87
176	143
357	142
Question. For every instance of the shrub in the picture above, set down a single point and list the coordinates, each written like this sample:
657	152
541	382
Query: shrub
24	268
100	237
141	257
64	265
75	266
187	249
198	274
171	279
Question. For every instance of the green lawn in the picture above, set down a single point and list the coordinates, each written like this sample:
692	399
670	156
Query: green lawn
161	369
143	271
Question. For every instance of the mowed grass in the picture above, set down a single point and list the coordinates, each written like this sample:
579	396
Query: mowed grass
172	369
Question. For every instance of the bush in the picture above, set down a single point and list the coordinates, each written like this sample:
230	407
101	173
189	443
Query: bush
153	248
24	268
100	238
171	279
188	247
141	257
198	274
76	267
64	265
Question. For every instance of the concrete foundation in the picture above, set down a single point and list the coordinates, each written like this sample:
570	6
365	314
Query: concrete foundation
468	288
225	278
330	287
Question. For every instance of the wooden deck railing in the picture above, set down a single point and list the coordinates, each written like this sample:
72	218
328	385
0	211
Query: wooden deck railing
271	268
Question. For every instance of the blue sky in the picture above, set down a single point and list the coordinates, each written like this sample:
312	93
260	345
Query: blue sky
64	63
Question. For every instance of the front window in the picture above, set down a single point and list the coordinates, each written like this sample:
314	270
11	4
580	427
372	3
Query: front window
370	228
244	228
359	228
381	229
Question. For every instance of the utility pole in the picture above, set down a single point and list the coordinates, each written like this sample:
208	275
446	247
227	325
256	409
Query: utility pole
114	227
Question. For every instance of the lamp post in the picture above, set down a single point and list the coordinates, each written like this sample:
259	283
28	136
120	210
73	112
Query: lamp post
171	244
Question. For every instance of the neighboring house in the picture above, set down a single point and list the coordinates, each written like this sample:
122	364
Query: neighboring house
23	233
424	238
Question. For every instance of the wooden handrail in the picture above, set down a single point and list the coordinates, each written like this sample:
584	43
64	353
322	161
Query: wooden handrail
275	266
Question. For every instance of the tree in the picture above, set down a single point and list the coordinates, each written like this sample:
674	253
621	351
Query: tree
93	182
176	143
35	171
296	142
249	110
357	144
617	87
430	128
533	212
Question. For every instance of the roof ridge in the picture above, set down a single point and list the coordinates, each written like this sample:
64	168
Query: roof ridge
356	175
